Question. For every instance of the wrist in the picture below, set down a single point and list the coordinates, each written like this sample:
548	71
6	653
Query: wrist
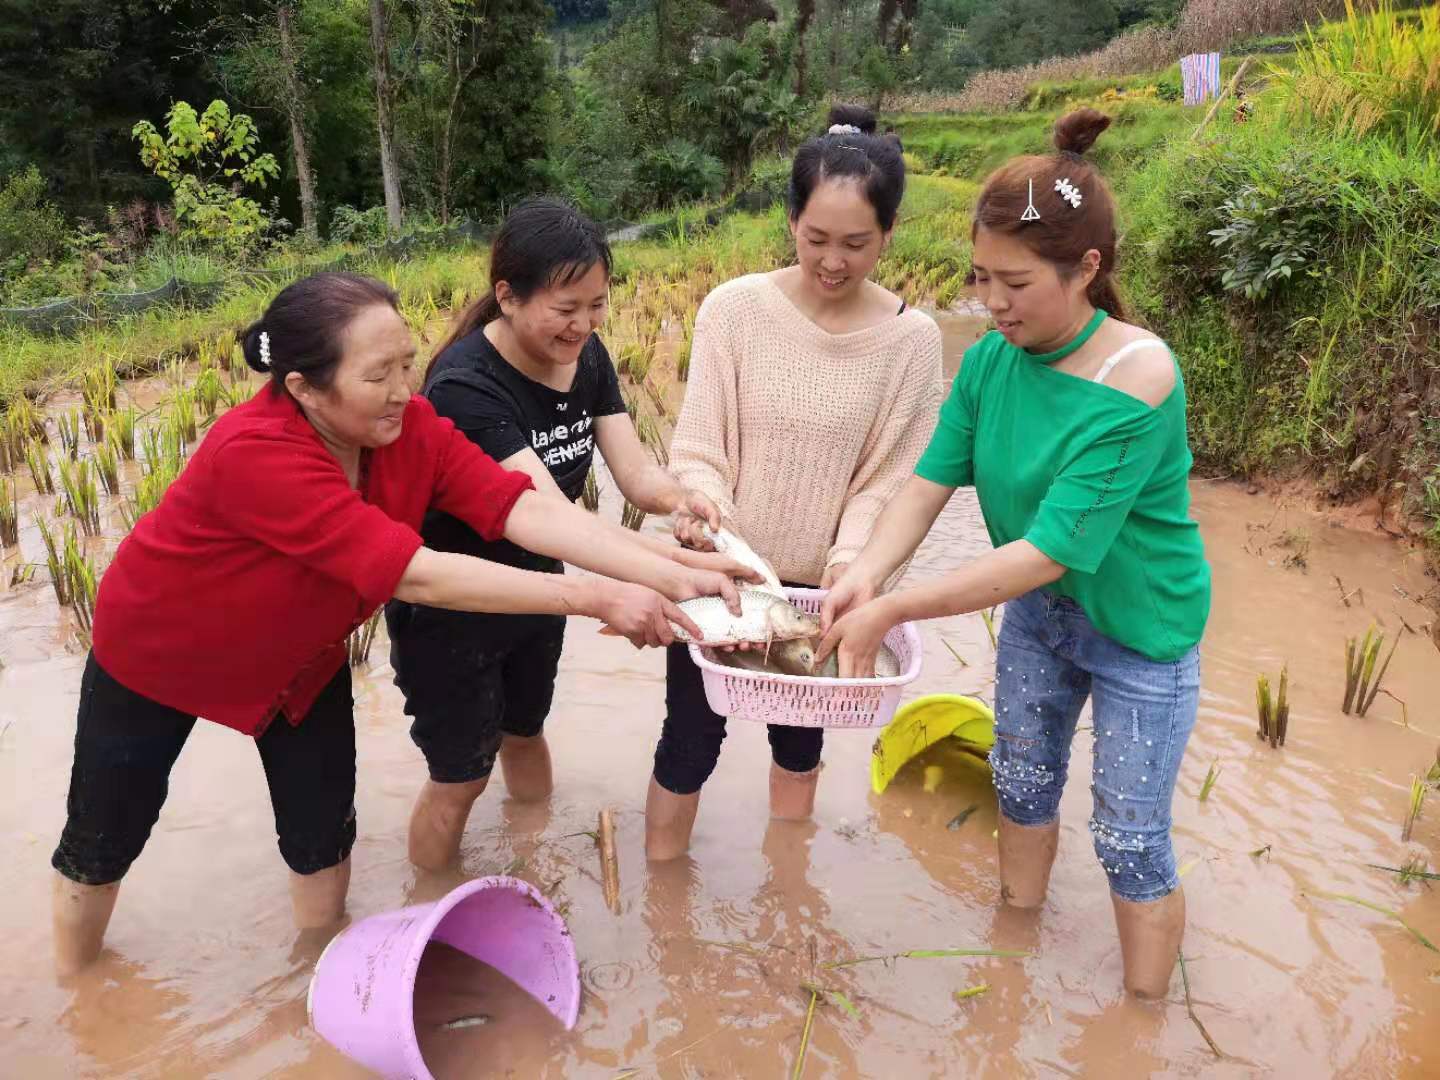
584	595
893	608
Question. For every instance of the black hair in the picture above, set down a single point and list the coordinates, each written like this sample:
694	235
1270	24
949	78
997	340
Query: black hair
304	326
543	243
875	162
857	116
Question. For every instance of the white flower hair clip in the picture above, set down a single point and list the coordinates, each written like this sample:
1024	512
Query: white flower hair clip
265	348
843	129
1069	192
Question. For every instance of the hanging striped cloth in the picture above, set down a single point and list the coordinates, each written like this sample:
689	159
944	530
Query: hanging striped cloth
1200	74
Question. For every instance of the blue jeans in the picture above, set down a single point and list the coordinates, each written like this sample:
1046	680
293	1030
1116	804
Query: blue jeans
1049	660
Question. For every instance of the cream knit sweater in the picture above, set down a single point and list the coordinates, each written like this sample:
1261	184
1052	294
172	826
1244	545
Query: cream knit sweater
802	436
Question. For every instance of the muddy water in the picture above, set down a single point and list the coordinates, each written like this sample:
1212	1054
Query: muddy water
700	973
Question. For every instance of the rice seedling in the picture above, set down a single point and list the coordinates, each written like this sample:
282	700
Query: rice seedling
1413	808
163	448
971	992
38	462
1417	869
358	644
652	437
805	1034
12	450
148	491
181	415
97	390
1360	657
81	495
107	464
989	618
590	497
9	513
1433	776
120	430
926	954
25	421
631	516
54	564
960	659
20	573
1210	777
175	374
1190	1008
209	392
1274	713
82	582
1387	912
69	424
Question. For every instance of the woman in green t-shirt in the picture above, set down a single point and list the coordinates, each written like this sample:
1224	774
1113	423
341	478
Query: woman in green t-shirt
1070	424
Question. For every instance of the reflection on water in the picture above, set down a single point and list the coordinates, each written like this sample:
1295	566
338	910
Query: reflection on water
703	971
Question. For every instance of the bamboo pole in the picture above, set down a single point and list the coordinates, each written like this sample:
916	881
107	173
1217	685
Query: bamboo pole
1229	89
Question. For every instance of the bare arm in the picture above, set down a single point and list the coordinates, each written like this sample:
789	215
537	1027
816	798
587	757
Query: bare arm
463	583
998	576
902	525
562	530
529	463
640	477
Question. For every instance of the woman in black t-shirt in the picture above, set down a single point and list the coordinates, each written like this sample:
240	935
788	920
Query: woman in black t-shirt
524	375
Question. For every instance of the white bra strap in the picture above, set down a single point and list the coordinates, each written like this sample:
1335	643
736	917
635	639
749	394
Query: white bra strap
1120	354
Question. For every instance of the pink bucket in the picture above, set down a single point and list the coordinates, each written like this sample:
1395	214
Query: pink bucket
361	998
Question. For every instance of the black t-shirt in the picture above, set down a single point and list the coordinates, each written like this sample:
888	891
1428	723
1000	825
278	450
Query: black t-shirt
503	412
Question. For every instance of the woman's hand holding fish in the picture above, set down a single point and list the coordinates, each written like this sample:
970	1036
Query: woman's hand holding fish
714	561
853	588
697	511
692	583
856	638
638	613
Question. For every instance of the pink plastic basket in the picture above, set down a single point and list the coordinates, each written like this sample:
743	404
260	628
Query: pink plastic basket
809	701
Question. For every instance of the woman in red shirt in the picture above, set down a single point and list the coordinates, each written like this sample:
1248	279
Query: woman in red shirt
296	518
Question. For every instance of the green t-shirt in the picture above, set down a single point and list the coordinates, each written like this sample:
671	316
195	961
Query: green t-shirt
1093	477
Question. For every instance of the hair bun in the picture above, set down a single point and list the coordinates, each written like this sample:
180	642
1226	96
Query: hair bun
856	116
250	346
1076	132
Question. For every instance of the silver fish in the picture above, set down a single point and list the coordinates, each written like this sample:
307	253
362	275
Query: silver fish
797	657
730	543
763	617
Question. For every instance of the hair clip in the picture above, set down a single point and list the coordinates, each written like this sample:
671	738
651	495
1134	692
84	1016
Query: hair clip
1031	214
843	129
265	348
1069	192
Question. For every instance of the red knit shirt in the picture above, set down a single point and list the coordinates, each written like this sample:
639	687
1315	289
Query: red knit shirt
233	598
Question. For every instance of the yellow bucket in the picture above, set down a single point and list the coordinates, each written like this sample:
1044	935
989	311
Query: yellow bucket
924	722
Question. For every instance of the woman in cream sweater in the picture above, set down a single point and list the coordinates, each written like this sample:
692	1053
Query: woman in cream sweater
812	392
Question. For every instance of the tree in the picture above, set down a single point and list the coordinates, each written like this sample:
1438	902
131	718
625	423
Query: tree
194	156
263	58
476	106
385	92
737	95
75	76
804	16
1010	33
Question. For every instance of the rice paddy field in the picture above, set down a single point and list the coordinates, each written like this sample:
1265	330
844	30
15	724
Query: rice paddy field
865	943
868	942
